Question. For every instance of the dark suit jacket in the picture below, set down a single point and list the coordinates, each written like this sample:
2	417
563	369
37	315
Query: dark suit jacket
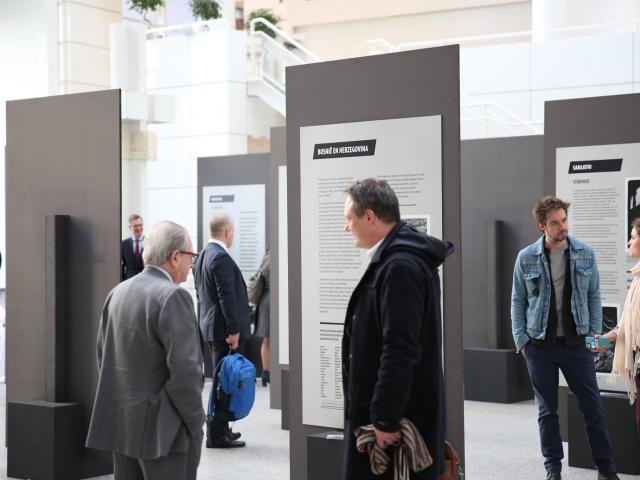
149	396
130	265
222	295
391	348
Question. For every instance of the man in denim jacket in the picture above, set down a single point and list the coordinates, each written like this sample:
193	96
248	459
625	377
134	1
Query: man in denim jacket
555	303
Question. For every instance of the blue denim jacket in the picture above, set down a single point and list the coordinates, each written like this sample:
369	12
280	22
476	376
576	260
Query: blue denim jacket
531	293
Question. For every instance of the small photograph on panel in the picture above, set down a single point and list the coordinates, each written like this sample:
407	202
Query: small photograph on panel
633	203
422	223
604	360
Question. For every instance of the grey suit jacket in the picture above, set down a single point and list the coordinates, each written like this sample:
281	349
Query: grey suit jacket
149	396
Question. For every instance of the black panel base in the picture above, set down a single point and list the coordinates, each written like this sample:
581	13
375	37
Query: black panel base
45	441
284	385
324	456
495	375
622	430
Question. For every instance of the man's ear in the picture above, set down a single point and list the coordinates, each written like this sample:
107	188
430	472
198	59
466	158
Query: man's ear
370	215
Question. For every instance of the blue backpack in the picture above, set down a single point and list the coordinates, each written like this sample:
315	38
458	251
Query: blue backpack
234	384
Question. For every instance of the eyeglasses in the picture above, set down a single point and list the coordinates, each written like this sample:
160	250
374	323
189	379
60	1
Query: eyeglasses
194	256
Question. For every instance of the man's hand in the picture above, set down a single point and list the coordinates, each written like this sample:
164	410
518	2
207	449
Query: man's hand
522	351
232	341
386	439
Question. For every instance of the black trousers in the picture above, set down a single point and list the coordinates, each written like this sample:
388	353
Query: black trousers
219	350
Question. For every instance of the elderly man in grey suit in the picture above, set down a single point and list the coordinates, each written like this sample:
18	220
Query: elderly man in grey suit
148	407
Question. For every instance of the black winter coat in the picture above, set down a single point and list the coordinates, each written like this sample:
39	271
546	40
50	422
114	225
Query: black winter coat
392	347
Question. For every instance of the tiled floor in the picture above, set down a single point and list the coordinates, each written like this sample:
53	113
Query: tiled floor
501	444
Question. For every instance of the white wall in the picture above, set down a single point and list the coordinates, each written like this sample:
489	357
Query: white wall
522	76
206	75
28	33
349	39
84	43
299	13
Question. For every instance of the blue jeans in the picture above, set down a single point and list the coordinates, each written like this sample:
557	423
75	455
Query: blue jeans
578	368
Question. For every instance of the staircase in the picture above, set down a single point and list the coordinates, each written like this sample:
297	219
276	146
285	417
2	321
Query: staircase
268	56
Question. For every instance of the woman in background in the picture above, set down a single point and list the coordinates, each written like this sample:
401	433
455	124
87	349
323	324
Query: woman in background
262	318
626	335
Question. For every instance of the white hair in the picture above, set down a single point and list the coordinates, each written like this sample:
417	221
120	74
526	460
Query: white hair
162	240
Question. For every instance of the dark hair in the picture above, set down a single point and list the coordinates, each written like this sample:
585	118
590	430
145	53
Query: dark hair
635	224
547	204
132	217
375	195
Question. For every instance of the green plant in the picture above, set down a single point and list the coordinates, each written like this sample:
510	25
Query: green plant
205	9
268	15
144	6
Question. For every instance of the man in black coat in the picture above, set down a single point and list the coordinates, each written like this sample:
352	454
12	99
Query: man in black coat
224	311
132	247
391	348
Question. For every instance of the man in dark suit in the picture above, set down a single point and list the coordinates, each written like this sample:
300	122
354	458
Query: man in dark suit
132	248
224	312
391	348
148	406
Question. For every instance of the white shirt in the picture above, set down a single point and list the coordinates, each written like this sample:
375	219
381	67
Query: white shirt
168	275
372	251
140	243
215	240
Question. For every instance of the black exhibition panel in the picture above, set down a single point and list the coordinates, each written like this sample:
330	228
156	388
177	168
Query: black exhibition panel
63	177
390	86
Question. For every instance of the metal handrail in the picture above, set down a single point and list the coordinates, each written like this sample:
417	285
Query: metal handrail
471	103
381	42
283	35
278	46
188	27
263	47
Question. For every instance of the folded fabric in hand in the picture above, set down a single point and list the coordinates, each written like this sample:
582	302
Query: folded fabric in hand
410	453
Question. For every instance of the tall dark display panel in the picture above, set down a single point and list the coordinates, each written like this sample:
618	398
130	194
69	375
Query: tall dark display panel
422	85
591	155
237	185
496	224
63	187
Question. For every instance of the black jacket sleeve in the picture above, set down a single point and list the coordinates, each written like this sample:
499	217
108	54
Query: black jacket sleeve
224	275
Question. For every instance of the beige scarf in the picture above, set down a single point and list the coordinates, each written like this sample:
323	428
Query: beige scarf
629	336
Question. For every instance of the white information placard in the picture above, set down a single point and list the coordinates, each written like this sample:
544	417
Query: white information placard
603	185
406	152
246	206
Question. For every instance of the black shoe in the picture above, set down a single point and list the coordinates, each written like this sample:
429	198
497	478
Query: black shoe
608	476
554	476
234	435
224	442
265	378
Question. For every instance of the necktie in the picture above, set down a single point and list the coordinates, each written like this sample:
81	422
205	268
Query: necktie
137	249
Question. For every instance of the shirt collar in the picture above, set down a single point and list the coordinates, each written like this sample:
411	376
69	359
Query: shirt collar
140	239
167	274
372	251
218	242
563	249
